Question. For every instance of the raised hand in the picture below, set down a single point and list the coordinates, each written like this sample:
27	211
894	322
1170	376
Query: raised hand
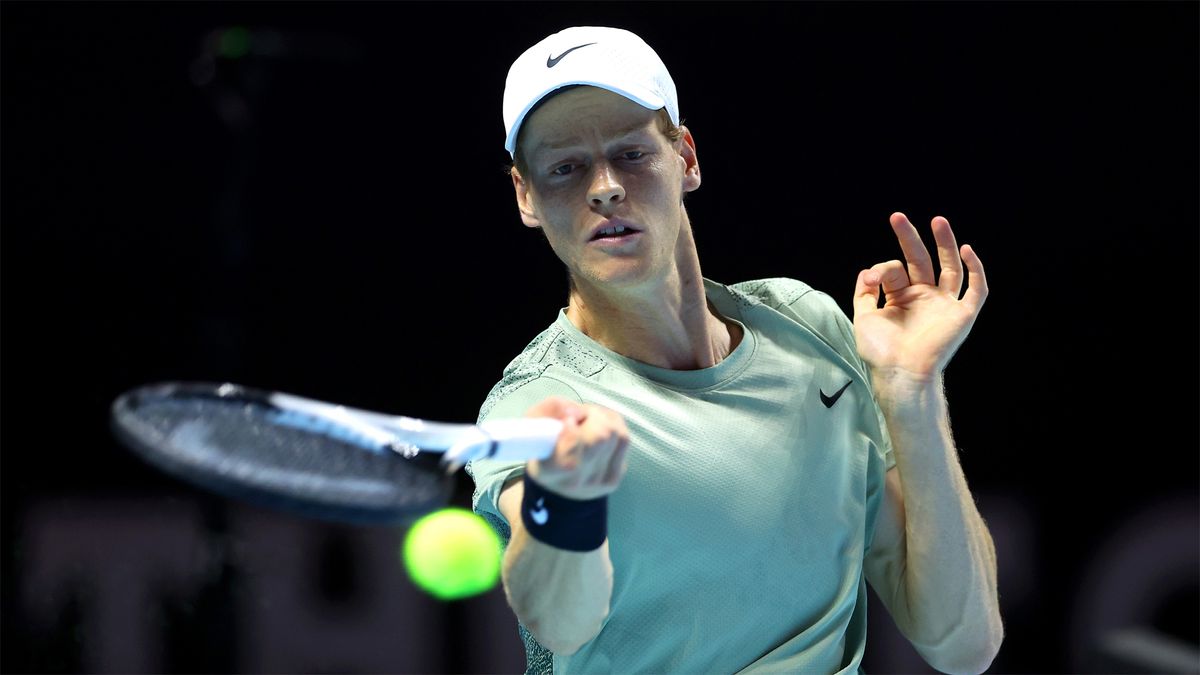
923	319
589	459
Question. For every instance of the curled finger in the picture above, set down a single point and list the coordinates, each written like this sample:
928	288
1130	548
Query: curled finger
617	464
892	276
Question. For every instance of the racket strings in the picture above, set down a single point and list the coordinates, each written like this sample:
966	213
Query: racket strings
241	444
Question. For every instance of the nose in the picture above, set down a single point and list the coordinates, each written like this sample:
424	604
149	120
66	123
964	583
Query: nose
605	190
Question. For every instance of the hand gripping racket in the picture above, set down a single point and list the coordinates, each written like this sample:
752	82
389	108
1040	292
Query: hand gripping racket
311	457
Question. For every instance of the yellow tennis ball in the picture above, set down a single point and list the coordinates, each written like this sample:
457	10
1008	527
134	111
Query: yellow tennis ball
452	554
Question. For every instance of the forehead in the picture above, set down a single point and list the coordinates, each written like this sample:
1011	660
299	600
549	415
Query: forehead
582	114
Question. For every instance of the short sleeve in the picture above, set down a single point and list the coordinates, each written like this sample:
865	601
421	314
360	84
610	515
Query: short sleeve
827	317
490	476
885	439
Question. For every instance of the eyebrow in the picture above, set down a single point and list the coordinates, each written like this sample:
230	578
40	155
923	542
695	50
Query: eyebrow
559	144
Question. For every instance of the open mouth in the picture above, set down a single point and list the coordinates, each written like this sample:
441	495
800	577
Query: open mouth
614	232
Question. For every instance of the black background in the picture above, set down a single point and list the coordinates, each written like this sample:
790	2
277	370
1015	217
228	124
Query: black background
357	241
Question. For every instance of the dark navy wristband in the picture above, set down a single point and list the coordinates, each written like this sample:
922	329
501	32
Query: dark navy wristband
562	522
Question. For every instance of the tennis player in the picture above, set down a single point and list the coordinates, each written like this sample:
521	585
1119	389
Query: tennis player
739	460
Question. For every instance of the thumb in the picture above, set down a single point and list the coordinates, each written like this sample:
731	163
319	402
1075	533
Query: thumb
866	292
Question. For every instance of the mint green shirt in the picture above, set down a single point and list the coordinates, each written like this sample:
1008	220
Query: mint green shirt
738	534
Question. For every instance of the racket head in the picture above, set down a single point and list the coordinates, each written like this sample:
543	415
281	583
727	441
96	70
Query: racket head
225	438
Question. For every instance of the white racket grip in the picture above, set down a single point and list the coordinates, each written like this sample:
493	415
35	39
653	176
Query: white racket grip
523	438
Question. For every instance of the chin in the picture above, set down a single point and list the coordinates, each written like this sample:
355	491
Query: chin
620	276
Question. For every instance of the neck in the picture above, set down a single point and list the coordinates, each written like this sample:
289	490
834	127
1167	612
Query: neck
668	323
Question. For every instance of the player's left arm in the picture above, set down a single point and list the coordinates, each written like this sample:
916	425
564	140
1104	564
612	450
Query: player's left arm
932	562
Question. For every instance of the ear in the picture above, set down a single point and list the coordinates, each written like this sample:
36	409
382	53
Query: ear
524	200
691	164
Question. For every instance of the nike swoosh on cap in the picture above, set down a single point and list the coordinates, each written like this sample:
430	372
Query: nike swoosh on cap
830	400
552	61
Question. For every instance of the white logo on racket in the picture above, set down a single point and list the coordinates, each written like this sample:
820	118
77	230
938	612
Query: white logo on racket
540	515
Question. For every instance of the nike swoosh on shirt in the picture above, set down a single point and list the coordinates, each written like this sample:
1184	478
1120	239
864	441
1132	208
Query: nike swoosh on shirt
830	400
552	61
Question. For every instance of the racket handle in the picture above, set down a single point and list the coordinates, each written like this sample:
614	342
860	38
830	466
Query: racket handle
523	438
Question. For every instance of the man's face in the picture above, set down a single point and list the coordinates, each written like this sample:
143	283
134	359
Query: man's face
596	162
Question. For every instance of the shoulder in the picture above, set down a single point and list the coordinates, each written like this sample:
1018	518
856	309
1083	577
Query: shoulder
795	299
814	310
536	372
774	292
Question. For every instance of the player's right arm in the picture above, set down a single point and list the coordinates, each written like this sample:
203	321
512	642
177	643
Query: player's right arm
562	596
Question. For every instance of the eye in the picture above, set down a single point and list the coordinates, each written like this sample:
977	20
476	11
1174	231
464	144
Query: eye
562	170
633	155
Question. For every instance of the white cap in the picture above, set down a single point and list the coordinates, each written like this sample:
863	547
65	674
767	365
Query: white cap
610	58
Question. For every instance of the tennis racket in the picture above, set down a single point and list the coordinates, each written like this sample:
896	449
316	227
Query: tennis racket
311	457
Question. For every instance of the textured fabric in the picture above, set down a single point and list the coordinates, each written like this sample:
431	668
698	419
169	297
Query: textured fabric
738	534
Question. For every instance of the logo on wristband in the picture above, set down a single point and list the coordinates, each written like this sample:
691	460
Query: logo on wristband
541	514
580	524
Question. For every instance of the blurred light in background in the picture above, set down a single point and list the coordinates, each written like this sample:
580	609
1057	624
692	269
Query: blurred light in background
233	43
